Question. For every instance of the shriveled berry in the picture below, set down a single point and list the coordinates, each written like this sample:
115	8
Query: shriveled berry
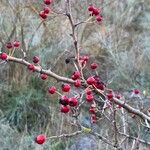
64	109
52	89
40	139
64	100
3	56
35	59
73	101
43	76
66	87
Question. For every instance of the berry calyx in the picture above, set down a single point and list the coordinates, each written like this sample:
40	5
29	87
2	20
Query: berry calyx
16	43
3	56
47	2
43	76
65	87
52	89
42	14
73	101
77	83
35	59
64	109
93	65
64	100
40	139
9	45
46	10
31	67
90	80
89	98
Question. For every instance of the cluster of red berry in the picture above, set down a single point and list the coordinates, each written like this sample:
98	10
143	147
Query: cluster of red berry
43	14
94	11
14	44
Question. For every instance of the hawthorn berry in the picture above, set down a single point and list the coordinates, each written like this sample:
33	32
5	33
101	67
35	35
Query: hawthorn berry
75	75
136	91
93	65
40	139
88	91
16	43
89	98
95	11
64	109
65	87
3	56
9	45
77	83
90	80
64	100
47	2
92	110
90	7
109	96
31	67
46	10
148	110
52	89
35	59
43	76
99	18
73	101
100	85
42	14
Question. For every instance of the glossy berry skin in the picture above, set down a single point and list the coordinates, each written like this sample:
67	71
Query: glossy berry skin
64	109
109	96
43	76
89	98
40	139
3	56
99	18
42	14
64	100
46	10
65	87
35	59
136	91
9	45
16	43
73	101
77	83
47	2
75	75
52	89
90	80
31	67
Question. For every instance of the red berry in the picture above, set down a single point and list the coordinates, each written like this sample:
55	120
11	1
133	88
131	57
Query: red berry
109	96
148	110
42	14
52	89
3	56
99	18
47	2
76	75
65	87
40	139
93	118
73	101
89	98
77	83
118	96
88	91
90	80
43	76
92	110
100	85
31	67
16	43
95	11
64	100
93	65
136	91
9	45
35	59
46	10
64	109
90	8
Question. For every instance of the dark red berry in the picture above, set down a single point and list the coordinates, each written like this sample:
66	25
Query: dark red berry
16	43
136	91
3	56
65	87
47	2
93	65
42	14
52	89
9	45
43	76
76	75
77	83
148	110
90	80
40	139
92	110
35	59
89	98
88	91
73	101
64	109
95	11
90	7
46	10
64	100
99	18
31	67
109	96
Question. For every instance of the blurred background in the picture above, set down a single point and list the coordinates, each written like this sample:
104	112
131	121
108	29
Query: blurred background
120	45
